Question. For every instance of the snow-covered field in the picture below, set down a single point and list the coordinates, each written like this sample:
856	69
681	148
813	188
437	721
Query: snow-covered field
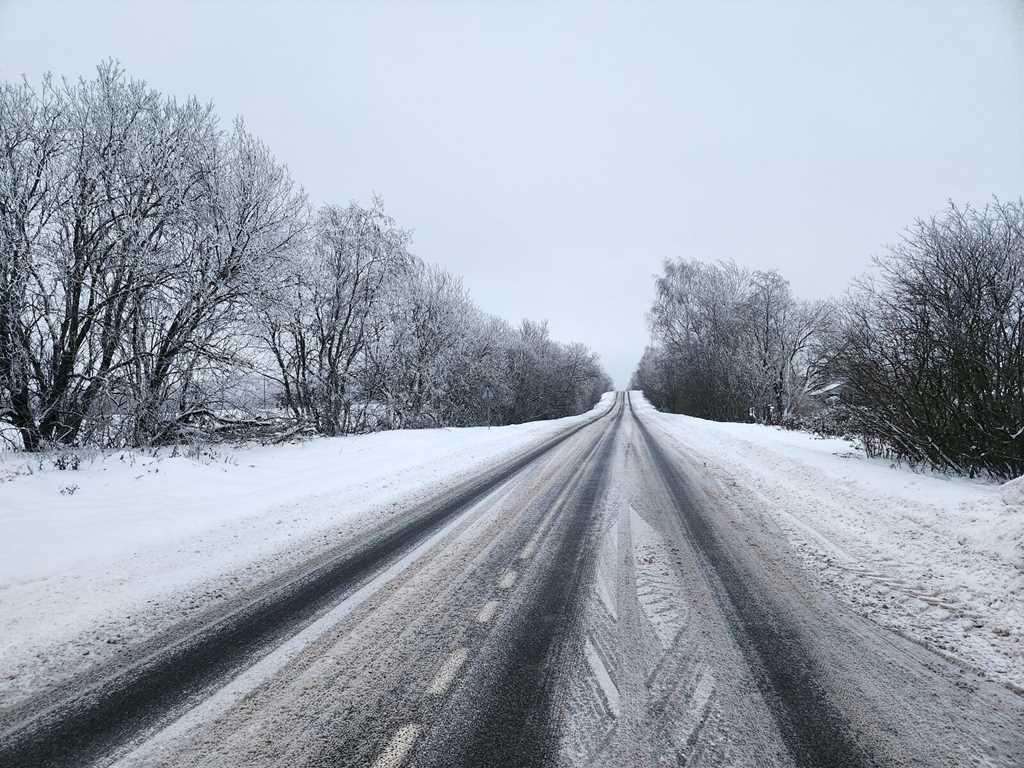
937	558
130	542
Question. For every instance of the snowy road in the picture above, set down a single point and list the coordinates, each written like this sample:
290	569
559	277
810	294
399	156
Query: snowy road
582	603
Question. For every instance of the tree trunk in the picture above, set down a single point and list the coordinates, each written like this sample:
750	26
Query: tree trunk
24	420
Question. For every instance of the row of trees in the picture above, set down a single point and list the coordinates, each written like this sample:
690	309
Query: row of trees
363	336
923	360
154	265
730	344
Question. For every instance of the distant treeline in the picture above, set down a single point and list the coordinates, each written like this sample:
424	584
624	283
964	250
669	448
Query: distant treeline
923	359
161	274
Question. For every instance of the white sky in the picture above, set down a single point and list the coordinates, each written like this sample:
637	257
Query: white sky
554	154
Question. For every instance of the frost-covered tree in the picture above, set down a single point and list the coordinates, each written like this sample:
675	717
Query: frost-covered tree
319	329
698	327
134	251
241	221
422	348
779	345
729	344
548	379
33	141
438	359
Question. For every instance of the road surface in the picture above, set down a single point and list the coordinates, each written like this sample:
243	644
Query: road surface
582	604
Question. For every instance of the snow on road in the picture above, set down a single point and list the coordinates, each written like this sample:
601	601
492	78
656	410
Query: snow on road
96	558
939	559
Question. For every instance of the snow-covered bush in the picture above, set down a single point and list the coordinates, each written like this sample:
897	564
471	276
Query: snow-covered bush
831	420
67	461
932	351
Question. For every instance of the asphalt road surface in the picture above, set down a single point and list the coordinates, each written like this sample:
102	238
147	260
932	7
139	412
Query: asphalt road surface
582	604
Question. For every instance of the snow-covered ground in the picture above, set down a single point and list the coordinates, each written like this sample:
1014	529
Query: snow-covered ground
130	542
939	559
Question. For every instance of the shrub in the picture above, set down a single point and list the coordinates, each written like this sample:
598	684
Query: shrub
933	348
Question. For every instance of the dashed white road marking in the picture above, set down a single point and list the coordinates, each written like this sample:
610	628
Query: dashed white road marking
397	750
529	550
508	580
487	612
206	711
446	674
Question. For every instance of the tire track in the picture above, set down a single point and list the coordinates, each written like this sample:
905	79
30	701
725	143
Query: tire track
813	728
505	711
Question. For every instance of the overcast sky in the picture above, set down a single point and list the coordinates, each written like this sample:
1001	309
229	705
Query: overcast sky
554	154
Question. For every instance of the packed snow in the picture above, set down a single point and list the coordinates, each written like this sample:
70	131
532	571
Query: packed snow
95	558
939	559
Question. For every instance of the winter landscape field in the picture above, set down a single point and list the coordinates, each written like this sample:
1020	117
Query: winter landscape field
498	384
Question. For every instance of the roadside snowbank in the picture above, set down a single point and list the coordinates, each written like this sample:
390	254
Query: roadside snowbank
95	558
939	559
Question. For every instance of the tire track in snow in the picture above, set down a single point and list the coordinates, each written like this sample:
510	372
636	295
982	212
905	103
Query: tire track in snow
660	594
628	705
